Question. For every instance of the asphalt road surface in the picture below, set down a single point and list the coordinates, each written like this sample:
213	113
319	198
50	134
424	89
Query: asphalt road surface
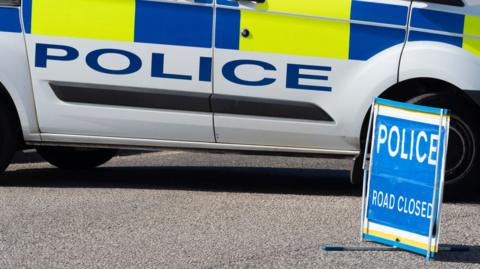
176	209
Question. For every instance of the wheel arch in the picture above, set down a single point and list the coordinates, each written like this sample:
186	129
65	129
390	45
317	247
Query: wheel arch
17	84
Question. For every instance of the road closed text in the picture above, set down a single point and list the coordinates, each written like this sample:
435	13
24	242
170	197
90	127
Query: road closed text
402	204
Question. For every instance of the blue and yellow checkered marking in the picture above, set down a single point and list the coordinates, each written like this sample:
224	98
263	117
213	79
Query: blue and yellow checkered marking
277	32
367	40
309	36
466	28
122	20
10	20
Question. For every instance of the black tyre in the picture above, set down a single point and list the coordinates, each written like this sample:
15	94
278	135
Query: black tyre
8	136
356	173
463	156
76	158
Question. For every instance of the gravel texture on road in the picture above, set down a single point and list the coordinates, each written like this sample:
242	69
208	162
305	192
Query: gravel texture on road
176	209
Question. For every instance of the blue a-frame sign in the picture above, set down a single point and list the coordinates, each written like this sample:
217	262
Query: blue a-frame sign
403	186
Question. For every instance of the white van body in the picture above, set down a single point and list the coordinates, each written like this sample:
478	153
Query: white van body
276	75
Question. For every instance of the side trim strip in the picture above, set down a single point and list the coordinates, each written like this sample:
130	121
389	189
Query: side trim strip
268	108
135	143
187	101
132	97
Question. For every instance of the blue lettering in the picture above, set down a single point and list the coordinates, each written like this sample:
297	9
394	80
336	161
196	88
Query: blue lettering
158	63
294	75
134	65
205	69
42	56
229	72
295	72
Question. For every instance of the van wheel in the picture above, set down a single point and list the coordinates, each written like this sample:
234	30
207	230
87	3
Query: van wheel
463	155
356	173
76	158
8	136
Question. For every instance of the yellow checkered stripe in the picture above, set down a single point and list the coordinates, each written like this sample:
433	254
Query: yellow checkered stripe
97	19
299	35
143	21
472	28
319	28
271	32
294	28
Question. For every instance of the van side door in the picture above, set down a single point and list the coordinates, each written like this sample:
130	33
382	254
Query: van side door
123	68
294	73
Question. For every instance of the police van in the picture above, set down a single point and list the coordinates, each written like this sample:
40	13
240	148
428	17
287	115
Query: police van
80	78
